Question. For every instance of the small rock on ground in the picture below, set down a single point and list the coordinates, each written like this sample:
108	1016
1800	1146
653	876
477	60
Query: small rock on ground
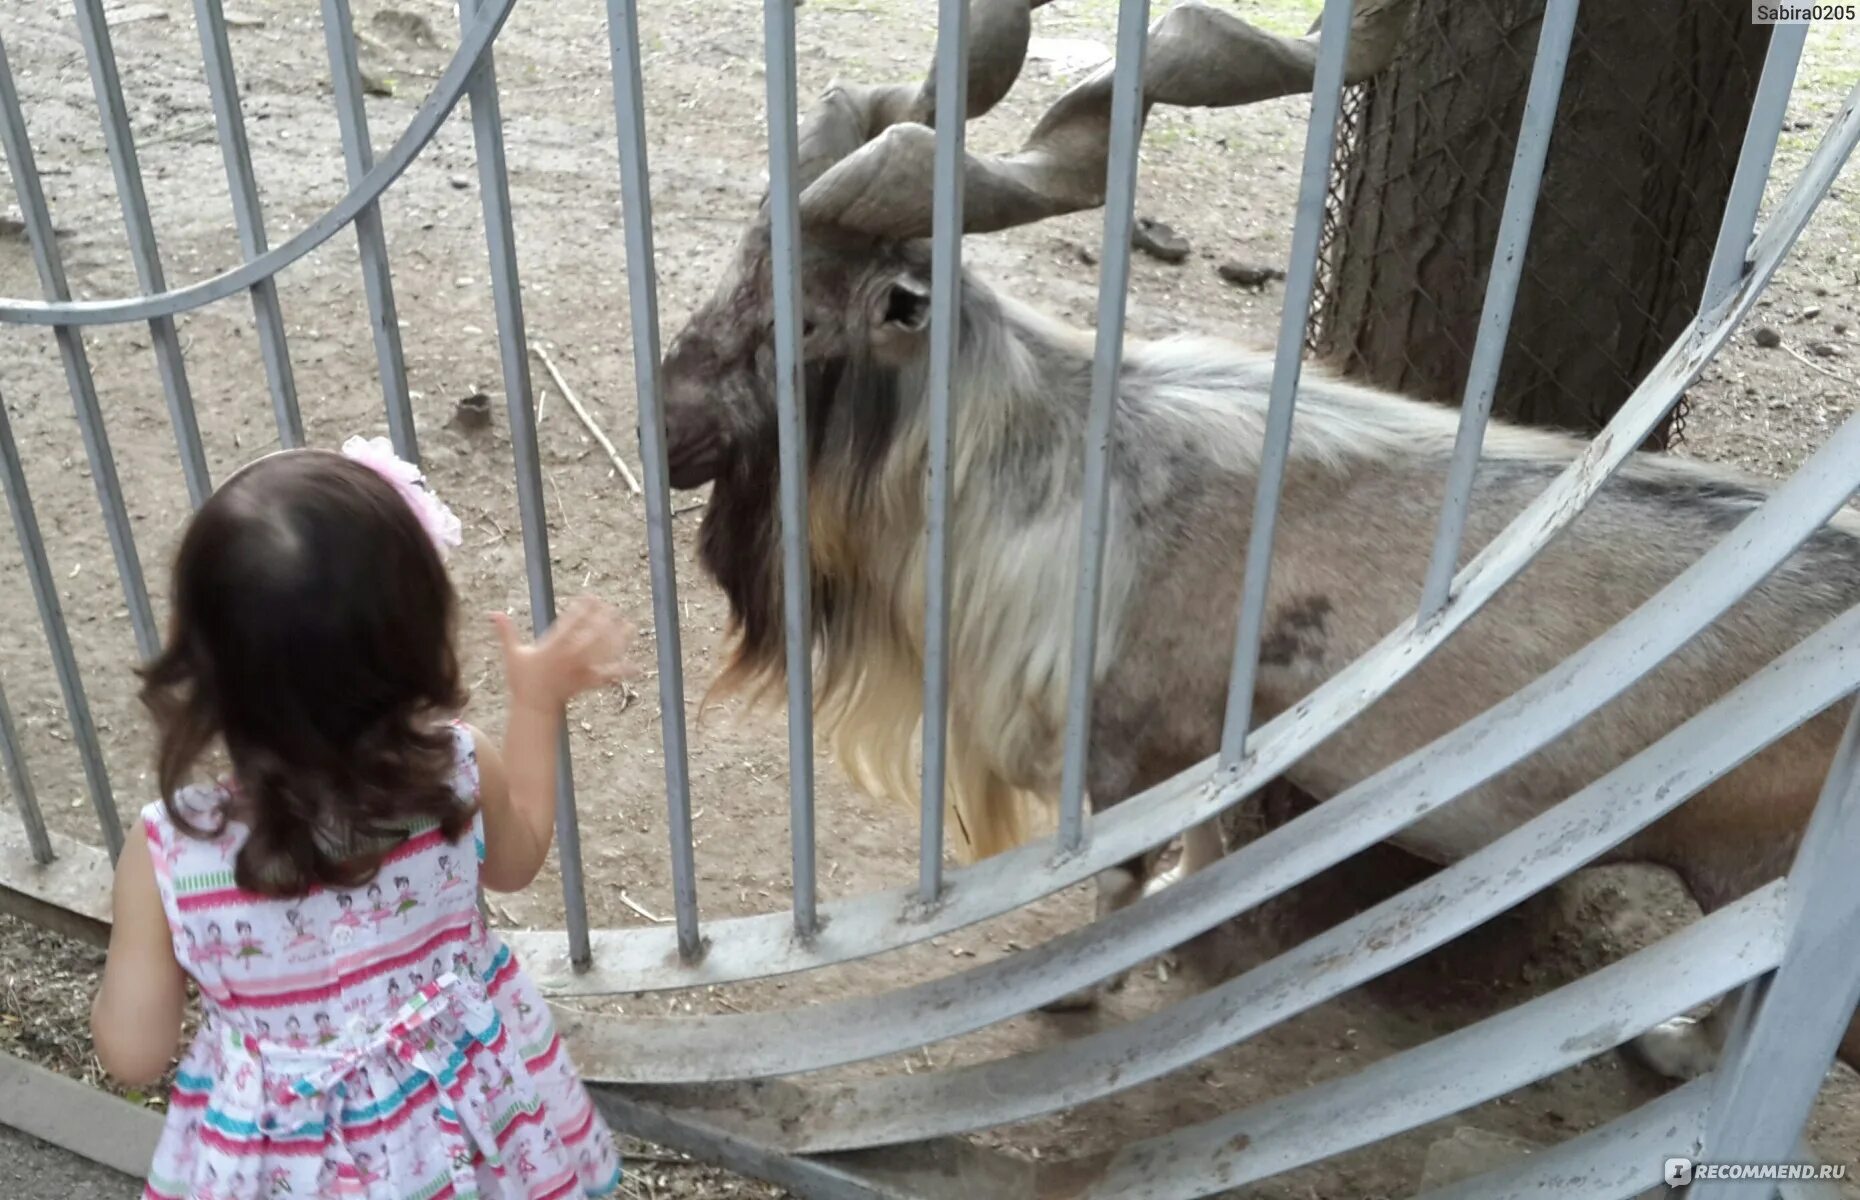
407	27
1247	275
127	13
1466	1152
472	412
1159	241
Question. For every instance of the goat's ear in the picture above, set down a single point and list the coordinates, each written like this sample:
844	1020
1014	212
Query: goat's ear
904	305
900	313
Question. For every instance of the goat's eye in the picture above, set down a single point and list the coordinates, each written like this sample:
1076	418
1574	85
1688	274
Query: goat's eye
807	328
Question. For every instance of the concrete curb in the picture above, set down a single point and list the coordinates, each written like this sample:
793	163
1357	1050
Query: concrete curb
88	1123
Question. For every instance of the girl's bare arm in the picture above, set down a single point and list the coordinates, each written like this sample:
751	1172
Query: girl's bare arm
584	650
136	1018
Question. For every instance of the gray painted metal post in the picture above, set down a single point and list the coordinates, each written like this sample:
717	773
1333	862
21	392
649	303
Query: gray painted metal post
519	402
1767	113
432	113
746	947
25	796
952	99
1300	281
1120	201
249	216
120	144
1501	294
46	257
791	430
643	297
358	154
57	634
1764	1092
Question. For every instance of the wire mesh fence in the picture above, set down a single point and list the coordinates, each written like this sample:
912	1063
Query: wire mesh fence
1647	135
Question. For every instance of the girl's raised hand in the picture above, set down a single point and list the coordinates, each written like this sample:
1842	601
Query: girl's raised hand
584	650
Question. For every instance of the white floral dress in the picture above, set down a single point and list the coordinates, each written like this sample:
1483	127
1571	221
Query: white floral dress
376	1043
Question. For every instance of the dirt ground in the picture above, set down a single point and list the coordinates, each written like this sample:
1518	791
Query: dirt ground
1226	180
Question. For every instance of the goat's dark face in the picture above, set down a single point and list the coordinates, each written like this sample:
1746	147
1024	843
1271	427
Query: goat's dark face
859	298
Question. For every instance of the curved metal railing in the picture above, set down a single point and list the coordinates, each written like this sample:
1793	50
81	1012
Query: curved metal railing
1753	1106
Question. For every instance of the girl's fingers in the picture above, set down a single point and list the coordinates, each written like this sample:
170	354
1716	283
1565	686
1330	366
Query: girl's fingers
506	634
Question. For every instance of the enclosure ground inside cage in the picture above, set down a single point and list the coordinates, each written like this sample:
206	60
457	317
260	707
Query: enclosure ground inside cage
882	894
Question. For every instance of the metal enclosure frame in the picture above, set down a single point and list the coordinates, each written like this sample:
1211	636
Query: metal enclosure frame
691	1082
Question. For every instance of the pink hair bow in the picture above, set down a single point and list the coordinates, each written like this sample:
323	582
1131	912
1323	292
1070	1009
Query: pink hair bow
378	455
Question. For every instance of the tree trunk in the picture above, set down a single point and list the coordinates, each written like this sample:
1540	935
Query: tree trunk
1651	118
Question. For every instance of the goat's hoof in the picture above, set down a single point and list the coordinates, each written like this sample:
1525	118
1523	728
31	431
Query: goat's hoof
1164	880
1677	1049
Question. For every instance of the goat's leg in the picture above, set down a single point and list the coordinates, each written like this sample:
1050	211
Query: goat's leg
1117	888
1687	1047
1202	847
1110	778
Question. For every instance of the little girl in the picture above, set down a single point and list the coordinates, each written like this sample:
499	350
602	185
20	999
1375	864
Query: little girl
312	643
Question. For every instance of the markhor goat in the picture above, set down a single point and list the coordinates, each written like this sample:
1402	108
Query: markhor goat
1363	489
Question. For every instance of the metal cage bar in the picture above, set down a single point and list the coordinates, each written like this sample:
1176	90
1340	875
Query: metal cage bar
642	292
433	111
46	257
1120	204
1453	1072
1300	282
25	796
952	97
1557	29
358	154
249	217
120	144
1768	1084
1617	1161
791	421
1779	928
533	514
57	634
1765	708
1770	109
747	947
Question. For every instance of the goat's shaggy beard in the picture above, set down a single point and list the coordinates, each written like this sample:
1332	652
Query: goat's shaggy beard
865	531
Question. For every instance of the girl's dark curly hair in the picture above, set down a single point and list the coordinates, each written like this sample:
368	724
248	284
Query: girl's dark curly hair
311	636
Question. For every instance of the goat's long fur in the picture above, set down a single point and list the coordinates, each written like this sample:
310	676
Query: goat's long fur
1187	439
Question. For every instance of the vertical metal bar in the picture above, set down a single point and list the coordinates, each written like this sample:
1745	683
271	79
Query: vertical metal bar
120	144
358	152
643	300
1501	294
25	797
1767	113
1300	279
1120	199
249	216
57	636
791	426
952	103
1763	1095
44	240
487	124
